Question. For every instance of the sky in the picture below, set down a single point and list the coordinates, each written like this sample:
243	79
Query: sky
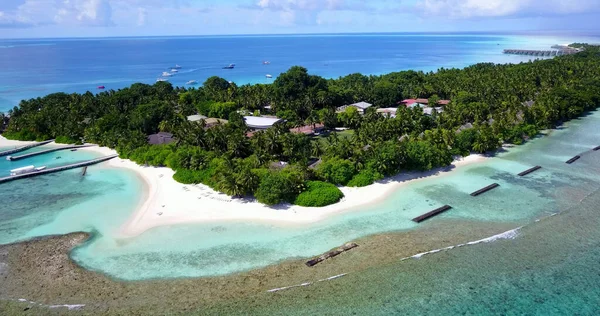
109	18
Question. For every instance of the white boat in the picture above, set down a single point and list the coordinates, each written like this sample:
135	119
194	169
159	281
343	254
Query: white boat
192	82
22	170
166	74
174	70
26	170
269	76
177	67
161	80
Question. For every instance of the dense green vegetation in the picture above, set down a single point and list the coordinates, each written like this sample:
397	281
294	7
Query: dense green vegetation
488	107
319	194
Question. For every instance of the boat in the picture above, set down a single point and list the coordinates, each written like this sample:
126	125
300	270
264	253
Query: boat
231	66
26	170
174	70
192	82
166	74
266	62
161	80
101	87
177	67
74	149
269	76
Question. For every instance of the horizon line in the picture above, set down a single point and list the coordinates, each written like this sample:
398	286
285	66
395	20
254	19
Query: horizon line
520	32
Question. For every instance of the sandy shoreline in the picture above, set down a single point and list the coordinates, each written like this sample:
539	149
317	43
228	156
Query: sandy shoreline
171	203
168	202
12	143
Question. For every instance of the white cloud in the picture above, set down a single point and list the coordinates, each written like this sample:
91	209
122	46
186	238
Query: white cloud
500	8
302	5
306	12
84	12
142	14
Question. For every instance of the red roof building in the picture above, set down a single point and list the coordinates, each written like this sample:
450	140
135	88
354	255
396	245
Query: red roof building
308	129
408	102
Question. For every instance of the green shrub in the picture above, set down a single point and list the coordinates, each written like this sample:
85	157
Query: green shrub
336	171
364	178
186	176
319	194
279	186
23	135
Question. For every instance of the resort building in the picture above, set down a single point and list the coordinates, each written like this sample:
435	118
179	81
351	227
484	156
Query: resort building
408	102
196	118
429	110
211	121
261	122
361	107
391	112
161	138
308	129
421	102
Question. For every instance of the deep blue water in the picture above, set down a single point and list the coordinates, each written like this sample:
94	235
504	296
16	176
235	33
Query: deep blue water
32	68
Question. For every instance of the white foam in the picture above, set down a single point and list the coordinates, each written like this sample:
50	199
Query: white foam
333	277
306	283
511	234
70	307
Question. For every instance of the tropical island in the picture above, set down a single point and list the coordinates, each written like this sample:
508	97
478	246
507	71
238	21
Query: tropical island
297	140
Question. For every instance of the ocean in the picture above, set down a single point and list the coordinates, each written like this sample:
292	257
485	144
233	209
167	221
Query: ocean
32	68
545	264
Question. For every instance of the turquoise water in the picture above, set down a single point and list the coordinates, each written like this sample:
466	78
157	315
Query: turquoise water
217	249
36	67
65	202
549	268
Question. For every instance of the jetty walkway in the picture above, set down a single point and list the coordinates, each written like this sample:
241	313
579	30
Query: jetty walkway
19	149
13	158
58	169
547	53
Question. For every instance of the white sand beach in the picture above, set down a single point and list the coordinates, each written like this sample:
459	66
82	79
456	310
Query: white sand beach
168	202
7	143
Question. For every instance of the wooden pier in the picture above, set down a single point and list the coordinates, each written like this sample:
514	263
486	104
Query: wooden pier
13	158
572	160
541	53
331	254
22	148
528	171
481	191
433	213
58	169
